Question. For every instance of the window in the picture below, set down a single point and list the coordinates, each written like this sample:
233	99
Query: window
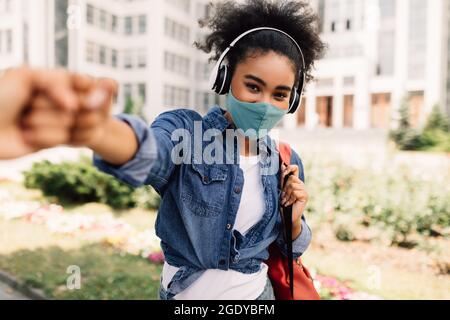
128	25
176	31
127	92
142	92
417	39
348	24
90	52
387	8
205	100
142	59
386	53
114	58
325	83
174	96
128	60
181	65
185	34
61	39
166	95
333	14
103	19
9	43
183	5
321	13
169	28
347	10
142	24
349	81
90	14
185	97
102	58
199	70
185	66
8	6
114	23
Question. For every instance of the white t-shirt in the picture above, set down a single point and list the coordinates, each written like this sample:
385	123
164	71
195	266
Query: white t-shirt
215	284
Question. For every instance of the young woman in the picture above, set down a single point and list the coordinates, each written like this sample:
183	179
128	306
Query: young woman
217	219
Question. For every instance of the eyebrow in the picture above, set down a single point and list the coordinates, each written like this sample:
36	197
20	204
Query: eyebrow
260	81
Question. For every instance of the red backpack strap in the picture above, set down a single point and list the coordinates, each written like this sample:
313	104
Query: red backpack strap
285	157
285	152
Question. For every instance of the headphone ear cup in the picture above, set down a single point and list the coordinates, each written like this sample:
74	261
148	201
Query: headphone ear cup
213	77
223	81
295	101
228	78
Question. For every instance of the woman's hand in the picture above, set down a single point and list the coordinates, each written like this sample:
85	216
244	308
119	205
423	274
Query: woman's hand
19	90
294	193
96	97
48	126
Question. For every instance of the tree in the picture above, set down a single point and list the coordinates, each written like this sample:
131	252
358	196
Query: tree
437	121
129	107
133	108
436	133
405	137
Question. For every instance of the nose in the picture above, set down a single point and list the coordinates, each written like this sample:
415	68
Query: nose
266	98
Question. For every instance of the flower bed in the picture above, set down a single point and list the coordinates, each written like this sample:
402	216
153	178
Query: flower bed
123	237
331	288
104	228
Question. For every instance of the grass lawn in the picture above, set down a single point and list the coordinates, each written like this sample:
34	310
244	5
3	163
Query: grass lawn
40	259
389	272
395	283
105	274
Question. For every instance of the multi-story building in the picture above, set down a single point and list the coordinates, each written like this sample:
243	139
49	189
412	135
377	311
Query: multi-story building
146	45
381	54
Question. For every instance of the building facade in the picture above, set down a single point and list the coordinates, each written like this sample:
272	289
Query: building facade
381	53
146	45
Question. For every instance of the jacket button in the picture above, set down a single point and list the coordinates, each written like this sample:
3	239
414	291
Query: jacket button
205	179
229	226
237	190
222	262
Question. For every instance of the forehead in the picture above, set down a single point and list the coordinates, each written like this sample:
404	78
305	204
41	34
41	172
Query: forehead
273	68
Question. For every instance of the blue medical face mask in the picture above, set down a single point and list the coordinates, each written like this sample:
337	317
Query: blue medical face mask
261	116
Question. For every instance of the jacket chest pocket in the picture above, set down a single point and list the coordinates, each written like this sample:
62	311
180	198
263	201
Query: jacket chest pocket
204	189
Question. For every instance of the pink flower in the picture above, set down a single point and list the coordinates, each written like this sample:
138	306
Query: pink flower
156	257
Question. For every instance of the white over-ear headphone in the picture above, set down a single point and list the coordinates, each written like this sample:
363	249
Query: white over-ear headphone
220	78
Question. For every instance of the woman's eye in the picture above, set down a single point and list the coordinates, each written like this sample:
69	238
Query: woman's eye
253	87
282	96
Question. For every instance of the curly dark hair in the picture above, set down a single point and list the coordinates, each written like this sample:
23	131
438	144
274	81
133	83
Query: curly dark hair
229	19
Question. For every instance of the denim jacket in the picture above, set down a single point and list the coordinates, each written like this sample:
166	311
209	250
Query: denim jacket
199	201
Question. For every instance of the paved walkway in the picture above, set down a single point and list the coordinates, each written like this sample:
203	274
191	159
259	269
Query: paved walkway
8	293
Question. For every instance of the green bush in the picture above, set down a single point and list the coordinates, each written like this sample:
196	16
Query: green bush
395	206
343	233
81	182
405	136
437	121
435	135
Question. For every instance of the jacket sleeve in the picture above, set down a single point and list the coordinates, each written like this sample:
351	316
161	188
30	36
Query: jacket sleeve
152	163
